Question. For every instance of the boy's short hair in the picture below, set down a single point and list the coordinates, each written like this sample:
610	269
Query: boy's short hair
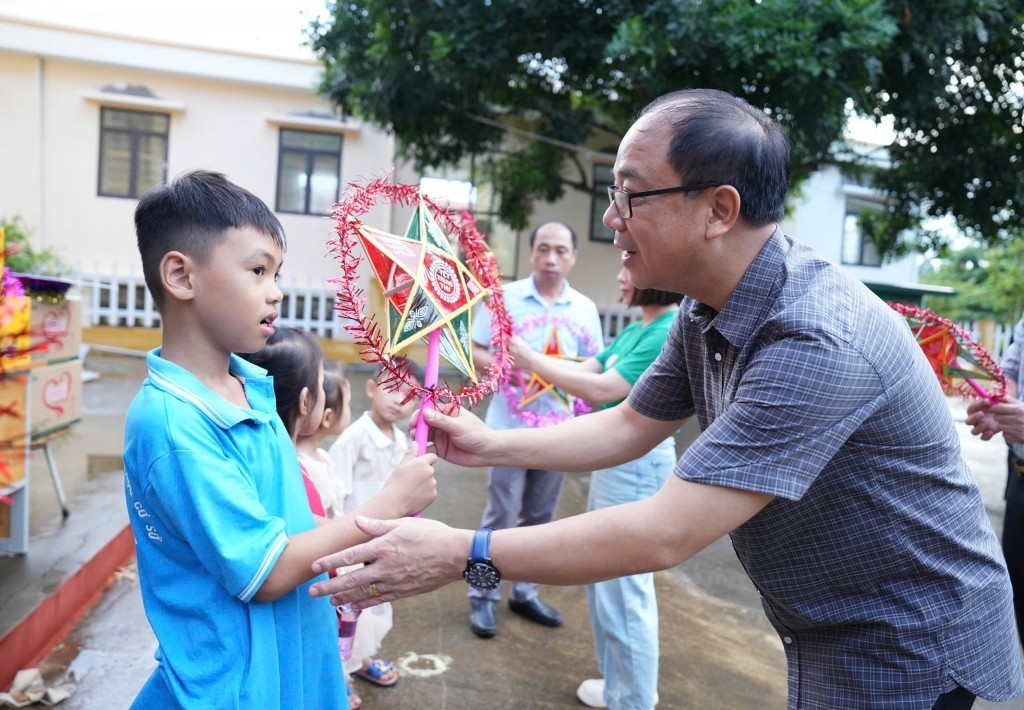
190	215
334	376
416	371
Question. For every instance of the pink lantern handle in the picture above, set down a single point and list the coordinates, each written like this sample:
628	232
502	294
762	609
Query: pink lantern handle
981	392
429	383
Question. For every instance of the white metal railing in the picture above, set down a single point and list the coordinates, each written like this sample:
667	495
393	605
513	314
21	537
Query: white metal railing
996	338
614	318
123	300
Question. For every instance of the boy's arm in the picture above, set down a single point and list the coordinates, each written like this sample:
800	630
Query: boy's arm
409	490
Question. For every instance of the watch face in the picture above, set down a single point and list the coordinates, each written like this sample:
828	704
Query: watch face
482	575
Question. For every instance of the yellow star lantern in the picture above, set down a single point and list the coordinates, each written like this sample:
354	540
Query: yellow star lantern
426	287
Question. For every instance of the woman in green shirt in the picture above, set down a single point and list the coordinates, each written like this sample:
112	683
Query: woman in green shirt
623	611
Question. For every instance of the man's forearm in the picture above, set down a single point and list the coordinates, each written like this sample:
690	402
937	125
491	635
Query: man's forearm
649	535
415	556
599	440
582	549
482	356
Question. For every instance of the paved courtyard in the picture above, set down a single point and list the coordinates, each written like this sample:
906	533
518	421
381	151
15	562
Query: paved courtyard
718	651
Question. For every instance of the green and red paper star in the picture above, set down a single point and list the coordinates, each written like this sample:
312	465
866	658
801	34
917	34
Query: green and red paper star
426	287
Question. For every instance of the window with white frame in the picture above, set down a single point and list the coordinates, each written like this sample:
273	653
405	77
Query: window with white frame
308	171
133	151
858	247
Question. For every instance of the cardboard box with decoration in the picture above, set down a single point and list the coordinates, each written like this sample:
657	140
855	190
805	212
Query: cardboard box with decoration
55	392
55	330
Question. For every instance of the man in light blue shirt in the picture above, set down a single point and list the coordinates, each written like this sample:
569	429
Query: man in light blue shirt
551	316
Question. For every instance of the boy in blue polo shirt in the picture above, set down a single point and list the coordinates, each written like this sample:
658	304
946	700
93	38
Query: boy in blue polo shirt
224	536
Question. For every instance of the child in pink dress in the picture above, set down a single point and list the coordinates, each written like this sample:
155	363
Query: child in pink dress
318	468
364	456
315	461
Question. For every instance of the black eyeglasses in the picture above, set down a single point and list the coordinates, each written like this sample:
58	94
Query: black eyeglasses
623	199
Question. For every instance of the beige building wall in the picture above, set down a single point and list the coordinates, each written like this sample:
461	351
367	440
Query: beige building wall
226	112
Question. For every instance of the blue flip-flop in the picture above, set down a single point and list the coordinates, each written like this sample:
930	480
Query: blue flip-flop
377	673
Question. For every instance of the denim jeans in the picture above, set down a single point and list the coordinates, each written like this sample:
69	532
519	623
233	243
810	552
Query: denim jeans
624	611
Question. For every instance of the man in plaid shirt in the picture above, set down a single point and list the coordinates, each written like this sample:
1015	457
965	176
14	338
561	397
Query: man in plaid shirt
827	451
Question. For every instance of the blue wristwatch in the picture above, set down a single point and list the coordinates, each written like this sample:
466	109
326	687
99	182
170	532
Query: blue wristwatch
480	572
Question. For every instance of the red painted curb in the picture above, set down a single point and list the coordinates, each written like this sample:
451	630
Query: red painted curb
32	639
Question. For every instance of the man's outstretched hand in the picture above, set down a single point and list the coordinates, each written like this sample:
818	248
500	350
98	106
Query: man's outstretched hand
460	439
406	557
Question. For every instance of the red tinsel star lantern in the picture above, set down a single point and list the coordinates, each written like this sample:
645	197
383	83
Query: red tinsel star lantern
960	364
428	290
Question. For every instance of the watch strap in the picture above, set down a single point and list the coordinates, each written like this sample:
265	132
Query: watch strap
481	547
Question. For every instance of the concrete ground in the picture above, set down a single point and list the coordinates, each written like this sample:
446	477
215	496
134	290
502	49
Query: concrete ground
717	649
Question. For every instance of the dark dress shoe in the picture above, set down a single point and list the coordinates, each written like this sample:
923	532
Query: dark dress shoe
482	620
536	611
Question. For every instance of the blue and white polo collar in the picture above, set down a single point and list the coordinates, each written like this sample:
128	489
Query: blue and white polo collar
563	298
183	385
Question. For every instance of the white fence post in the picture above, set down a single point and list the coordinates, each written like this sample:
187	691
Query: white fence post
323	313
614	318
94	297
1002	334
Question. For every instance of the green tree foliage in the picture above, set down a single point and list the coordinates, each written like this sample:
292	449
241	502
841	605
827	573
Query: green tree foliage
442	74
987	282
953	79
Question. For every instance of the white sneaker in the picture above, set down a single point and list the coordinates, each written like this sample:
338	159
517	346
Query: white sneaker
591	693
